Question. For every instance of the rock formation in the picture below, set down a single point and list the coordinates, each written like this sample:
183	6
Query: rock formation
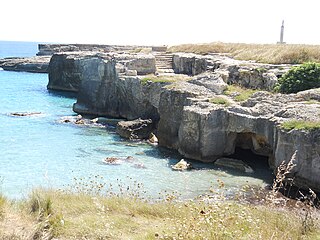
33	64
136	129
188	120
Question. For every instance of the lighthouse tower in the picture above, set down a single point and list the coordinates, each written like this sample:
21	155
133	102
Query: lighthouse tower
281	34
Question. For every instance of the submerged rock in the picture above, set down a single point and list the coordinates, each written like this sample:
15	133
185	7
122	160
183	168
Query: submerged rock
235	164
24	114
182	165
112	161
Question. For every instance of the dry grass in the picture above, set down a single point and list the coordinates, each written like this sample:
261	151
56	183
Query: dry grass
93	210
84	216
265	53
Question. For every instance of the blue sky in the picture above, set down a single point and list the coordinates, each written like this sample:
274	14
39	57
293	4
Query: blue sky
160	22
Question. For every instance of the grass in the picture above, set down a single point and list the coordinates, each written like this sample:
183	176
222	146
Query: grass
265	53
84	216
164	79
220	101
300	125
239	93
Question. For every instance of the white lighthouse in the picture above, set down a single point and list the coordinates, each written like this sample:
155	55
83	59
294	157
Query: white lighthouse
281	33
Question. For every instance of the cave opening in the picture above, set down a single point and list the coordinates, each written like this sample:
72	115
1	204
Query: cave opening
255	151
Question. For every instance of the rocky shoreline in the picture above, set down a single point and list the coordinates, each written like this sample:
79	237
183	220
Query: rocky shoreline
178	92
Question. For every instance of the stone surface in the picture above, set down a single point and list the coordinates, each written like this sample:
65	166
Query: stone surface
235	164
182	165
135	129
32	64
189	123
188	63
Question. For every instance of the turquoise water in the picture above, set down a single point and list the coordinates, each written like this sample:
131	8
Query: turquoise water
41	151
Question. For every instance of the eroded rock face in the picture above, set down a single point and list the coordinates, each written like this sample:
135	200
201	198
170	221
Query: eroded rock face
206	131
188	63
105	92
135	129
189	123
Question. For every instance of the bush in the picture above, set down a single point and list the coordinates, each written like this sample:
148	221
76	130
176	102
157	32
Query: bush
303	77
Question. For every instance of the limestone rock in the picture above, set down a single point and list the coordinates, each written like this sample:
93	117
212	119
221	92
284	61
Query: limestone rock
182	165
235	164
188	63
32	64
189	123
136	129
213	82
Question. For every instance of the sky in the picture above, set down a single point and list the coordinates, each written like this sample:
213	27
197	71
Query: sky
160	22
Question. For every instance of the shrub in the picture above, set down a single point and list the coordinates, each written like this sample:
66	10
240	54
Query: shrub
303	77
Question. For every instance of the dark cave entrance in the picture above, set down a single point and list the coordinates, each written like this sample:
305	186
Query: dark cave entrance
253	150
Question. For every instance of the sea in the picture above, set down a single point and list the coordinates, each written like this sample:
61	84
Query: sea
40	151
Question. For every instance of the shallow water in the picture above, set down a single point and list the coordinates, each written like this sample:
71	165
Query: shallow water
38	150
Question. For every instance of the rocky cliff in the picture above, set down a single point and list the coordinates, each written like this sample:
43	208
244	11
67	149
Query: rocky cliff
32	64
189	119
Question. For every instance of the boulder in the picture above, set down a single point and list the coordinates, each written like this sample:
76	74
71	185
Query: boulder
211	81
136	129
182	165
235	164
188	63
143	64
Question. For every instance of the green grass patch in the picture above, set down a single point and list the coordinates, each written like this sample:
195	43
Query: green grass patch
239	93
300	125
220	101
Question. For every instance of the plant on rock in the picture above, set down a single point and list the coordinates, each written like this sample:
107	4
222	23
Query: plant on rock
300	78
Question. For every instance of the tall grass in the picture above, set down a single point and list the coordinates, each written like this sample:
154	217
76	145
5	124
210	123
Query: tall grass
84	214
264	53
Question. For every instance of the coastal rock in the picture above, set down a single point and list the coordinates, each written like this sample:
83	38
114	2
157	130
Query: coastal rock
104	92
201	130
66	70
235	164
32	64
182	165
25	114
188	63
213	82
136	129
143	64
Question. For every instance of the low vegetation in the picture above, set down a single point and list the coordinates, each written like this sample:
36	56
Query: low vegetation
300	125
82	216
265	53
299	78
239	93
220	101
92	209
